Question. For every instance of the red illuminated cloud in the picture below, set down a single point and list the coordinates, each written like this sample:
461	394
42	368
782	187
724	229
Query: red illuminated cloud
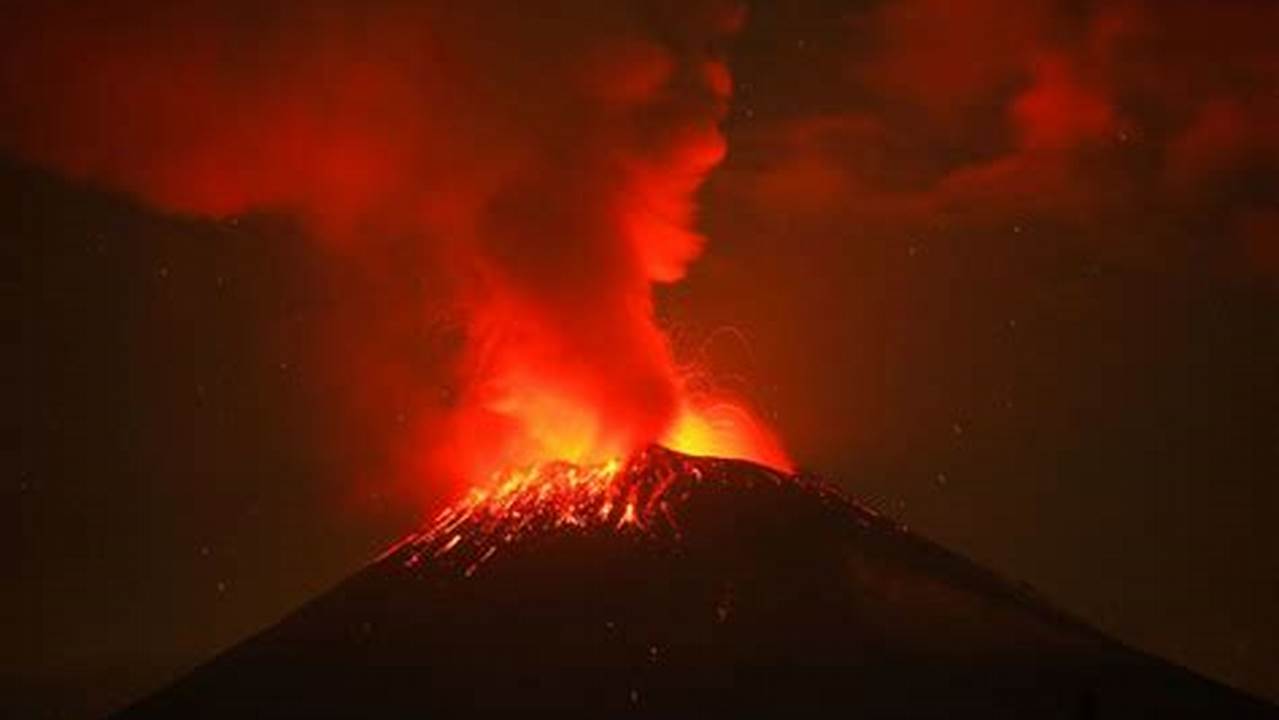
538	168
1061	111
944	55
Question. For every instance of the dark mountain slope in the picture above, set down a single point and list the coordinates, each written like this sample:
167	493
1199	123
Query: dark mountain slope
678	586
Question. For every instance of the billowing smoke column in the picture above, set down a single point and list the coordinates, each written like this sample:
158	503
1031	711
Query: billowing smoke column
541	157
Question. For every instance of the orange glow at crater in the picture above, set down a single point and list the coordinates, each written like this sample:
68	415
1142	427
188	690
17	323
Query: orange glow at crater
537	423
728	430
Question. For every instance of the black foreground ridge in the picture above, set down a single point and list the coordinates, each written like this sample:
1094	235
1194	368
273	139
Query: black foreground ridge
677	586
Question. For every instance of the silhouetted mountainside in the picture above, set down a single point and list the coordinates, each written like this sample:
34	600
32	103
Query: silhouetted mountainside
678	586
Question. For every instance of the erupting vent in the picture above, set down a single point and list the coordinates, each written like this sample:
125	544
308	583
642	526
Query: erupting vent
636	495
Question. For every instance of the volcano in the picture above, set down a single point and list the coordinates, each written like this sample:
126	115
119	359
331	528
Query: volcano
672	586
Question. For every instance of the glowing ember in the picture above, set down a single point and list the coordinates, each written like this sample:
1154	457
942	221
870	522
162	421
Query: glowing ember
631	496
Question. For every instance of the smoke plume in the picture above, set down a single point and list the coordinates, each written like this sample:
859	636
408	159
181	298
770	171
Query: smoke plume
535	165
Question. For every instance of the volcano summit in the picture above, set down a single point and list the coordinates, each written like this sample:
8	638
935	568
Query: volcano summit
673	586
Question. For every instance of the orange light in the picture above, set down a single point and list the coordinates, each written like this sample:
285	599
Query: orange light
728	430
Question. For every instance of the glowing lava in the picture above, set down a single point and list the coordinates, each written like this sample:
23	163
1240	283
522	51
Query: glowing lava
634	495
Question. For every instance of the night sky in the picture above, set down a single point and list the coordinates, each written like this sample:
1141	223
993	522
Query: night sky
1006	272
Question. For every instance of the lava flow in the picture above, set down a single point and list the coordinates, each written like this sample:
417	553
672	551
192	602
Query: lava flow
635	495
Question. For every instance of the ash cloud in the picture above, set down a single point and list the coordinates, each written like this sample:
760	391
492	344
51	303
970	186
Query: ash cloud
519	176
